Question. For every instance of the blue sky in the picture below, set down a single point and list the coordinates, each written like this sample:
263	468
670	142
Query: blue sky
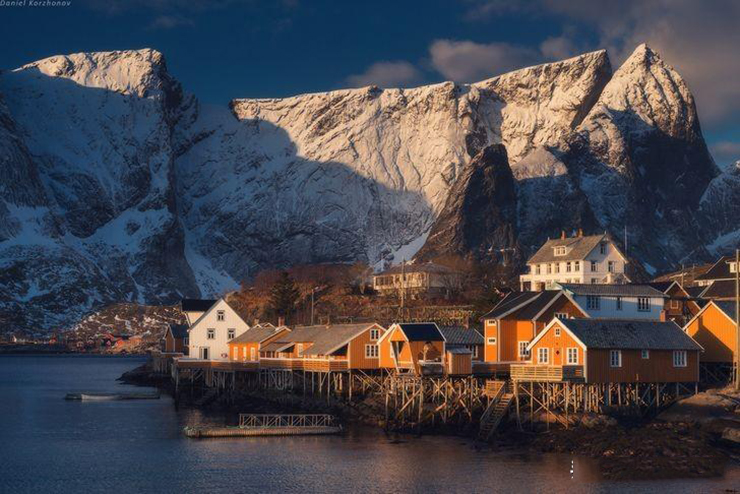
223	49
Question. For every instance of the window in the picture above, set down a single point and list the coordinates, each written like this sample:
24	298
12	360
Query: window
523	352
675	304
543	355
643	304
252	353
371	351
231	333
619	303
733	267
557	267
679	358
602	247
557	331
615	358
561	315
594	281
645	354
593	302
374	334
220	315
568	267
491	341
578	266
549	269
611	266
474	350
211	335
572	356
537	269
594	266
299	349
244	353
559	251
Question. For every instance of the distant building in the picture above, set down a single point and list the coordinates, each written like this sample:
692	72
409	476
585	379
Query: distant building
682	303
593	259
176	338
210	334
416	279
618	301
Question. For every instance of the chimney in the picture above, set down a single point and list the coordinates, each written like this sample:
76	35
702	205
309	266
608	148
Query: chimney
580	232
562	235
281	321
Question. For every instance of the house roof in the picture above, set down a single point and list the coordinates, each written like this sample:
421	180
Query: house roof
276	346
720	270
423	267
333	337
256	334
726	306
613	290
721	289
179	331
511	302
630	334
661	286
695	291
421	331
457	335
459	350
534	307
577	248
196	305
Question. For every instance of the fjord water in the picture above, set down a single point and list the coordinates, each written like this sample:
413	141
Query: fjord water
48	444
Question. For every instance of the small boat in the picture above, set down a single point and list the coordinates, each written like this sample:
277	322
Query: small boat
111	396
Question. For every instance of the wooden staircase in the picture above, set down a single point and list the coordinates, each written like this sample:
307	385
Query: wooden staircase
497	409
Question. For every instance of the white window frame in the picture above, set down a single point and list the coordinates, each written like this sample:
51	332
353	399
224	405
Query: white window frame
611	266
211	334
371	351
252	353
537	269
594	267
559	251
568	267
491	340
543	351
675	304
602	247
221	315
593	302
561	315
645	354
523	352
615	359
473	350
557	268
680	358
557	331
374	334
577	266
231	333
572	352
299	349
643	304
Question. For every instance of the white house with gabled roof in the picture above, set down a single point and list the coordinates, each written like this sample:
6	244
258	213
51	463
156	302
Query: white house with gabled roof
591	259
210	334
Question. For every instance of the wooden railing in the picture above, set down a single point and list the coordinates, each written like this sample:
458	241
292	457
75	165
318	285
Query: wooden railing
317	365
529	372
279	420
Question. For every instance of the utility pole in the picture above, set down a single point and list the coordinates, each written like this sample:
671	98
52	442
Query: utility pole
403	284
313	289
737	319
625	239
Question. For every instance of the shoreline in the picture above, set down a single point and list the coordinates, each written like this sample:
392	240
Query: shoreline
623	449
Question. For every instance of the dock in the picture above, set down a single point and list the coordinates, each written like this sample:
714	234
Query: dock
271	425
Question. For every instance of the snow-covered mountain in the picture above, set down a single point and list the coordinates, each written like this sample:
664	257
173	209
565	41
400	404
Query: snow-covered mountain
119	186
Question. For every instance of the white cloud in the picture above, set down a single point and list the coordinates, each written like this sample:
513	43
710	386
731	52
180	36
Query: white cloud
725	152
559	48
467	61
170	22
387	74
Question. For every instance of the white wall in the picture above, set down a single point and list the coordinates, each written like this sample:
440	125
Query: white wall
218	347
608	308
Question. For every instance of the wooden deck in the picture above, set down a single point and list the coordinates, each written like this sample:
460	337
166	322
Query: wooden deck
546	373
311	365
226	365
490	368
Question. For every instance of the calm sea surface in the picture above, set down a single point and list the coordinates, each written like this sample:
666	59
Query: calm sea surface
48	444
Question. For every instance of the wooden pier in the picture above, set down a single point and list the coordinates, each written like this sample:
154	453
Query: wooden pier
271	425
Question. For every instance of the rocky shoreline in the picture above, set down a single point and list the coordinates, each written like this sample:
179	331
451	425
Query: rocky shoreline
668	446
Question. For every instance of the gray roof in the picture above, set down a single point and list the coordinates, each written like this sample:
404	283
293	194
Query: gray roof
179	331
720	270
726	306
459	351
325	339
536	305
630	334
421	331
256	334
577	249
196	305
613	290
720	289
509	302
457	335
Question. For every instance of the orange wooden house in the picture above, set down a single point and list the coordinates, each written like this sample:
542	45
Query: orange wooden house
334	347
413	347
611	351
518	318
246	346
176	339
714	329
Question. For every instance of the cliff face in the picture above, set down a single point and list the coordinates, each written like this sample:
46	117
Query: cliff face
119	186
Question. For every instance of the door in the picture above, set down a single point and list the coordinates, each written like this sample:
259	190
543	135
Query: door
205	354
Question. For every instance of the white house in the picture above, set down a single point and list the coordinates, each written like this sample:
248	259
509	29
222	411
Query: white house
593	259
209	336
193	308
618	301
